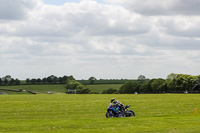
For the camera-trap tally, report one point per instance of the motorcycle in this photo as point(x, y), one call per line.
point(119, 111)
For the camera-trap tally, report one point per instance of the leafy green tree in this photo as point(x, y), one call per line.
point(6, 79)
point(44, 80)
point(49, 80)
point(141, 78)
point(158, 85)
point(71, 77)
point(1, 82)
point(148, 87)
point(52, 79)
point(185, 82)
point(92, 80)
point(144, 88)
point(198, 78)
point(33, 81)
point(85, 91)
point(64, 79)
point(110, 91)
point(28, 81)
point(17, 81)
point(55, 80)
point(75, 85)
point(171, 81)
point(39, 81)
point(129, 88)
point(60, 80)
point(11, 82)
point(180, 82)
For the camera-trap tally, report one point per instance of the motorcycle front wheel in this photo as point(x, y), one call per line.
point(108, 115)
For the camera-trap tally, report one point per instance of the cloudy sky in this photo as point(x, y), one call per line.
point(109, 39)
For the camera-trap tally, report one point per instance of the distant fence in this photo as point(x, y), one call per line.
point(17, 91)
point(31, 92)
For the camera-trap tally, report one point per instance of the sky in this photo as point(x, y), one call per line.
point(106, 39)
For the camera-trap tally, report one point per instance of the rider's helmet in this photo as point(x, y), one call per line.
point(112, 100)
point(117, 102)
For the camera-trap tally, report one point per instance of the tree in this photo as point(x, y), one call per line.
point(180, 82)
point(75, 85)
point(158, 85)
point(39, 81)
point(92, 79)
point(185, 82)
point(12, 81)
point(141, 78)
point(49, 79)
point(55, 80)
point(28, 81)
point(17, 81)
point(145, 87)
point(6, 79)
point(33, 81)
point(110, 91)
point(52, 79)
point(44, 80)
point(170, 81)
point(71, 77)
point(129, 88)
point(1, 81)
point(85, 91)
point(62, 80)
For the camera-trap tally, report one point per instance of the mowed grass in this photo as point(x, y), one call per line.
point(161, 113)
point(59, 88)
point(101, 87)
point(35, 88)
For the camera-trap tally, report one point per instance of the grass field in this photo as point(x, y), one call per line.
point(36, 88)
point(57, 88)
point(101, 87)
point(107, 81)
point(161, 113)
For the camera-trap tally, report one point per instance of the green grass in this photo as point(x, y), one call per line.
point(107, 81)
point(56, 88)
point(99, 88)
point(161, 113)
point(35, 88)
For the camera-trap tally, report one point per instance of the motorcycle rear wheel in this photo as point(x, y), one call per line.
point(130, 113)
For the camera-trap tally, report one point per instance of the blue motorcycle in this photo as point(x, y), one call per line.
point(119, 111)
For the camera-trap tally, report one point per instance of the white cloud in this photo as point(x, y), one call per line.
point(110, 39)
point(183, 26)
point(16, 9)
point(170, 7)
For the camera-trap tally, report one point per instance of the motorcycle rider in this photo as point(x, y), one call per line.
point(117, 109)
point(117, 104)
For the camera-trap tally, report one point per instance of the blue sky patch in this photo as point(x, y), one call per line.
point(61, 2)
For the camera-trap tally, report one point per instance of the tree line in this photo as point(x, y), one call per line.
point(174, 83)
point(49, 80)
point(8, 80)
